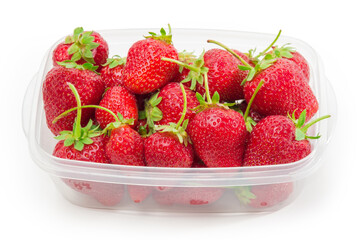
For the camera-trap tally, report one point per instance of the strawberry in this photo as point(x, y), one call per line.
point(108, 194)
point(112, 71)
point(139, 193)
point(217, 132)
point(144, 71)
point(83, 144)
point(263, 196)
point(301, 62)
point(284, 91)
point(224, 76)
point(171, 104)
point(58, 97)
point(118, 100)
point(125, 146)
point(188, 195)
point(170, 147)
point(278, 139)
point(82, 47)
point(163, 149)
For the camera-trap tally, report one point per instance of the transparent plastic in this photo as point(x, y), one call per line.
point(211, 190)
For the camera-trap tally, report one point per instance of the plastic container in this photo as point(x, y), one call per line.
point(213, 190)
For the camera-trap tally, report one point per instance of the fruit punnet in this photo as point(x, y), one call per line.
point(170, 145)
point(58, 97)
point(82, 47)
point(286, 88)
point(144, 70)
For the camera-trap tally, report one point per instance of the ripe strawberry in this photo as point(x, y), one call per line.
point(139, 193)
point(188, 195)
point(170, 148)
point(300, 61)
point(118, 100)
point(112, 72)
point(218, 136)
point(108, 194)
point(144, 70)
point(82, 47)
point(224, 76)
point(217, 132)
point(172, 102)
point(125, 147)
point(278, 139)
point(263, 196)
point(163, 149)
point(284, 91)
point(58, 98)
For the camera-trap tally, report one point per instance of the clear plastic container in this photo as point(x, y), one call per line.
point(212, 190)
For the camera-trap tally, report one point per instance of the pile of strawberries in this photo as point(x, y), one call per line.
point(161, 107)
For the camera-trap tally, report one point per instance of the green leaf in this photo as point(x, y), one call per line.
point(156, 114)
point(200, 98)
point(301, 119)
point(78, 30)
point(76, 56)
point(215, 97)
point(73, 49)
point(244, 68)
point(69, 141)
point(87, 141)
point(142, 115)
point(88, 54)
point(79, 145)
point(300, 135)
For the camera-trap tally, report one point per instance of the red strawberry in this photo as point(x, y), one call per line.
point(283, 92)
point(171, 104)
point(82, 47)
point(139, 193)
point(263, 196)
point(94, 152)
point(278, 140)
point(163, 149)
point(218, 136)
point(108, 194)
point(118, 100)
point(112, 72)
point(144, 70)
point(170, 147)
point(125, 147)
point(197, 163)
point(300, 61)
point(224, 76)
point(58, 98)
point(188, 195)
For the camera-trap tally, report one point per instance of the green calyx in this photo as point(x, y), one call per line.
point(244, 194)
point(163, 36)
point(78, 136)
point(151, 113)
point(82, 44)
point(197, 70)
point(301, 127)
point(85, 66)
point(178, 129)
point(115, 61)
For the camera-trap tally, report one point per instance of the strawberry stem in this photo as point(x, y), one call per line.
point(209, 99)
point(184, 106)
point(305, 128)
point(230, 51)
point(86, 106)
point(77, 130)
point(270, 46)
point(190, 67)
point(252, 98)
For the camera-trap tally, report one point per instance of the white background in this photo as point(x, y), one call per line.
point(329, 206)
